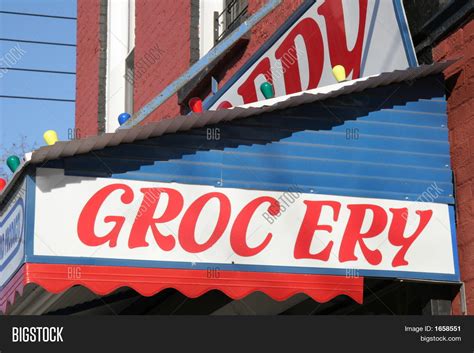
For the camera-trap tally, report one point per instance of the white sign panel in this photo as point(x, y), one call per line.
point(12, 236)
point(366, 37)
point(185, 226)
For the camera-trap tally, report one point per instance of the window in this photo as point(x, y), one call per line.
point(129, 82)
point(119, 71)
point(217, 19)
point(207, 8)
point(129, 61)
point(235, 12)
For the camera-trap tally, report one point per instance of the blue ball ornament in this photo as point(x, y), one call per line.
point(122, 118)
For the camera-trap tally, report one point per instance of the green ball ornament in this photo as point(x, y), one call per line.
point(267, 90)
point(13, 162)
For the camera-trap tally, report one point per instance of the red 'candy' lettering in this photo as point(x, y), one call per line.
point(337, 40)
point(248, 90)
point(308, 29)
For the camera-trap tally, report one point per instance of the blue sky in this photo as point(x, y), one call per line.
point(30, 118)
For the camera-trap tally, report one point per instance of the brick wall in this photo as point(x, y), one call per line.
point(167, 24)
point(163, 24)
point(460, 85)
point(87, 67)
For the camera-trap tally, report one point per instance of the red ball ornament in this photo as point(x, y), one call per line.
point(195, 104)
point(3, 183)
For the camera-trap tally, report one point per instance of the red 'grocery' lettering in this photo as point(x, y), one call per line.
point(362, 222)
point(145, 219)
point(238, 235)
point(85, 225)
point(187, 227)
point(353, 236)
point(397, 228)
point(310, 225)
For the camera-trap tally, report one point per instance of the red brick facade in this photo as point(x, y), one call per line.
point(87, 67)
point(165, 24)
point(460, 86)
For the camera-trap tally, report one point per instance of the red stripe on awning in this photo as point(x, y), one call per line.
point(102, 280)
point(192, 283)
point(15, 285)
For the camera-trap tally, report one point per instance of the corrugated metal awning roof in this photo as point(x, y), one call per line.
point(187, 122)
